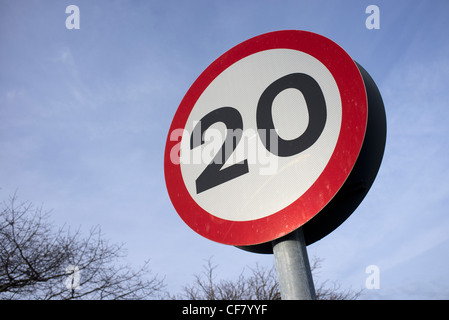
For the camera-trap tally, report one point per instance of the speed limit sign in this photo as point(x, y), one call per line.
point(266, 137)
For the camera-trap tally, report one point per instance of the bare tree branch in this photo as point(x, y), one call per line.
point(260, 284)
point(34, 257)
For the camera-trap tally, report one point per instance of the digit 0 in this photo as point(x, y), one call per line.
point(316, 107)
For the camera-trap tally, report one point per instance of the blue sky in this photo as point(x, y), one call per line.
point(85, 114)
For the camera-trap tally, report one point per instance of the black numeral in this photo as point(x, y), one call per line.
point(214, 175)
point(316, 106)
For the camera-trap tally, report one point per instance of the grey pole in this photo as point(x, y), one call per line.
point(293, 267)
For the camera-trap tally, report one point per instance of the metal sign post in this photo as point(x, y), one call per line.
point(293, 267)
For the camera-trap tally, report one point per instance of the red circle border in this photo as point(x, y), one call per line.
point(349, 143)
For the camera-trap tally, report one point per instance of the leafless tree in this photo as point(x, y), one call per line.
point(38, 261)
point(260, 284)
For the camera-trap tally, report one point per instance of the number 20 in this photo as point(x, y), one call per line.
point(213, 175)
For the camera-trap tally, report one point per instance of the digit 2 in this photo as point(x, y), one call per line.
point(214, 175)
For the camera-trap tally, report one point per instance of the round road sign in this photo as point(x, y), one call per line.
point(265, 138)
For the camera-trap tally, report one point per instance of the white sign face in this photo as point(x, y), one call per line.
point(271, 182)
point(265, 137)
